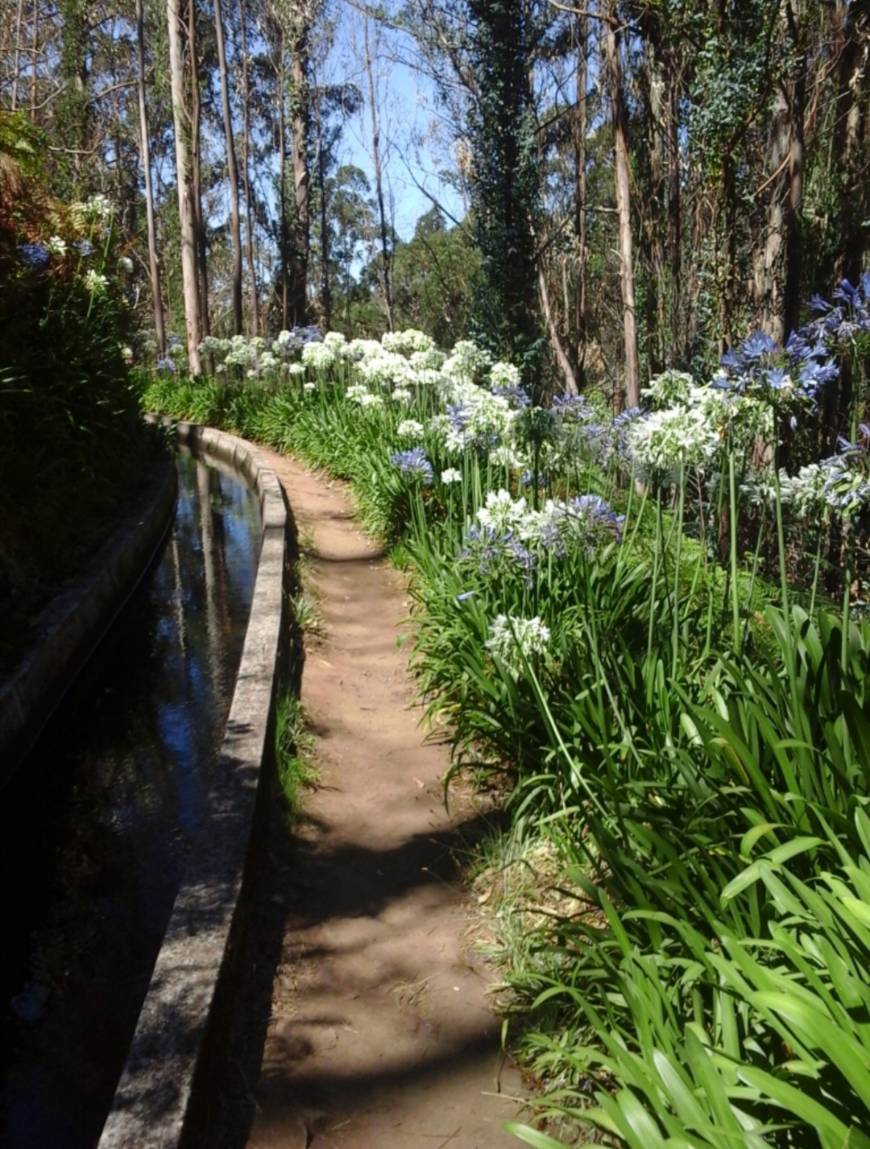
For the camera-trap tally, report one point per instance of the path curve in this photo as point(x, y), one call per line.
point(380, 1034)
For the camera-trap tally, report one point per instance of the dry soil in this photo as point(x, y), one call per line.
point(379, 1031)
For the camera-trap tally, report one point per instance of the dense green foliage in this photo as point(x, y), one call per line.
point(692, 744)
point(72, 445)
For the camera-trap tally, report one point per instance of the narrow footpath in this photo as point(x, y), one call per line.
point(380, 1035)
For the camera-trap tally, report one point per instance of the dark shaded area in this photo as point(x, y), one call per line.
point(96, 828)
point(298, 885)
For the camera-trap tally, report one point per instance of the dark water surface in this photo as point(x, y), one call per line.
point(94, 831)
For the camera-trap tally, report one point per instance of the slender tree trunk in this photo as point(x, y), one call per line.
point(850, 143)
point(563, 360)
point(246, 179)
point(623, 207)
point(778, 257)
point(232, 169)
point(386, 253)
point(284, 230)
point(145, 151)
point(181, 123)
point(581, 319)
point(16, 59)
point(320, 163)
point(34, 57)
point(196, 166)
point(300, 135)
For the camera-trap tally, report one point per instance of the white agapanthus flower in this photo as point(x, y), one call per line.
point(95, 283)
point(409, 429)
point(506, 457)
point(98, 207)
point(678, 436)
point(355, 391)
point(369, 400)
point(502, 513)
point(504, 375)
point(804, 493)
point(296, 369)
point(318, 356)
point(385, 369)
point(466, 361)
point(516, 641)
point(451, 475)
point(668, 389)
point(430, 360)
point(57, 246)
point(402, 395)
point(335, 340)
point(359, 349)
point(309, 387)
point(127, 354)
point(406, 342)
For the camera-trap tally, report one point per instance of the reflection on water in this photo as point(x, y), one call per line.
point(94, 831)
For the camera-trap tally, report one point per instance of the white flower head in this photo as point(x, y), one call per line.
point(451, 475)
point(95, 283)
point(410, 429)
point(516, 641)
point(57, 246)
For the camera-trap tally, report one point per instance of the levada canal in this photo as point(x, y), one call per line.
point(95, 828)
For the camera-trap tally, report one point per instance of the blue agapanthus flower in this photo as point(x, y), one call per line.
point(34, 255)
point(85, 247)
point(515, 394)
point(757, 345)
point(165, 365)
point(414, 465)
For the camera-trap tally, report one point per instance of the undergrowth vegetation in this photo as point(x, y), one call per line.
point(72, 446)
point(619, 623)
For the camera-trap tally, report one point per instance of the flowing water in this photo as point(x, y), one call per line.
point(94, 830)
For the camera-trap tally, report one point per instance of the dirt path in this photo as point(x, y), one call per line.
point(380, 1035)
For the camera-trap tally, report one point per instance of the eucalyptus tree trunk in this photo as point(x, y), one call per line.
point(16, 58)
point(34, 59)
point(184, 179)
point(850, 145)
point(145, 151)
point(386, 253)
point(196, 165)
point(581, 319)
point(560, 354)
point(300, 134)
point(778, 256)
point(623, 205)
point(246, 178)
point(320, 168)
point(232, 169)
point(283, 226)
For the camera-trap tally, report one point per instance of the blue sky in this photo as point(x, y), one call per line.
point(415, 140)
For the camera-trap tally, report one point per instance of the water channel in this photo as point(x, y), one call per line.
point(94, 830)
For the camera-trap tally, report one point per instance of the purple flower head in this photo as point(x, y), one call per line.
point(777, 378)
point(165, 365)
point(731, 360)
point(597, 512)
point(757, 345)
point(515, 394)
point(627, 416)
point(85, 247)
point(458, 415)
point(528, 479)
point(819, 305)
point(523, 557)
point(414, 465)
point(572, 408)
point(34, 255)
point(846, 292)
